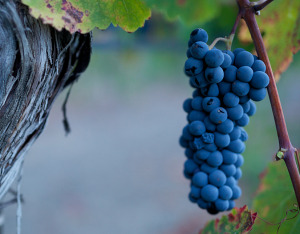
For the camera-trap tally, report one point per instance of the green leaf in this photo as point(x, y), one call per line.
point(280, 24)
point(275, 197)
point(84, 15)
point(240, 220)
point(191, 12)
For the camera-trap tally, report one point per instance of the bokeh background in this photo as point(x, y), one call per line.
point(120, 169)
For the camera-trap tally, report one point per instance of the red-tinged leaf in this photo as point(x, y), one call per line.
point(240, 220)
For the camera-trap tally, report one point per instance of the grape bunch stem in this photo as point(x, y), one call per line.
point(247, 11)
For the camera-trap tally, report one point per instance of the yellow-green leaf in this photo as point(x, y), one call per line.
point(84, 15)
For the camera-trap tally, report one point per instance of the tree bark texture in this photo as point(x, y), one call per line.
point(36, 63)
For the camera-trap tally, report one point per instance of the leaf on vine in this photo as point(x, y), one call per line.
point(274, 200)
point(240, 220)
point(190, 11)
point(280, 24)
point(84, 15)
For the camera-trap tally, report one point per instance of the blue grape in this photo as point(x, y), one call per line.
point(237, 51)
point(197, 144)
point(229, 170)
point(197, 128)
point(198, 161)
point(207, 169)
point(257, 94)
point(222, 140)
point(196, 103)
point(209, 193)
point(210, 103)
point(238, 174)
point(235, 134)
point(252, 108)
point(244, 58)
point(225, 192)
point(211, 90)
point(231, 204)
point(200, 179)
point(186, 133)
point(214, 58)
point(259, 65)
point(196, 115)
point(240, 161)
point(210, 126)
point(187, 107)
point(259, 80)
point(193, 66)
point(217, 178)
point(211, 147)
point(243, 121)
point(240, 88)
point(190, 43)
point(218, 115)
point(199, 34)
point(224, 87)
point(230, 74)
point(215, 159)
point(244, 74)
point(208, 138)
point(199, 80)
point(255, 58)
point(226, 127)
point(214, 74)
point(235, 113)
point(189, 153)
point(236, 146)
point(190, 166)
point(246, 106)
point(195, 192)
point(231, 100)
point(230, 54)
point(236, 192)
point(227, 61)
point(202, 204)
point(221, 205)
point(244, 99)
point(212, 210)
point(202, 154)
point(188, 53)
point(229, 157)
point(244, 135)
point(184, 143)
point(199, 49)
point(196, 93)
point(231, 182)
point(192, 199)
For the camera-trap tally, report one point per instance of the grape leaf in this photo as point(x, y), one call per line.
point(275, 197)
point(240, 220)
point(190, 11)
point(280, 24)
point(84, 15)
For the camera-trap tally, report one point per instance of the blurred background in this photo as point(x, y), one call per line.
point(120, 169)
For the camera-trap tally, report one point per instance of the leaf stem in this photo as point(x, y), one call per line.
point(248, 14)
point(262, 5)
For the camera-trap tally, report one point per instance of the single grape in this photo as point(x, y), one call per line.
point(190, 166)
point(224, 87)
point(229, 170)
point(257, 94)
point(188, 53)
point(210, 103)
point(236, 192)
point(200, 179)
point(214, 74)
point(187, 107)
point(215, 159)
point(197, 144)
point(196, 93)
point(235, 113)
point(240, 161)
point(221, 205)
point(211, 147)
point(212, 209)
point(209, 193)
point(240, 88)
point(199, 80)
point(243, 121)
point(199, 34)
point(208, 138)
point(231, 182)
point(231, 100)
point(197, 128)
point(244, 135)
point(252, 108)
point(214, 58)
point(237, 51)
point(199, 49)
point(226, 127)
point(244, 99)
point(229, 157)
point(192, 199)
point(196, 116)
point(196, 103)
point(225, 192)
point(217, 178)
point(222, 140)
point(186, 133)
point(195, 192)
point(244, 58)
point(210, 126)
point(259, 80)
point(211, 90)
point(189, 153)
point(193, 66)
point(238, 174)
point(244, 74)
point(231, 204)
point(184, 143)
point(246, 106)
point(202, 154)
point(207, 169)
point(259, 65)
point(198, 161)
point(218, 115)
point(235, 134)
point(230, 74)
point(202, 204)
point(227, 61)
point(230, 54)
point(236, 146)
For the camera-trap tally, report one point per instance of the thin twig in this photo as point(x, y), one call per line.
point(297, 158)
point(262, 5)
point(236, 23)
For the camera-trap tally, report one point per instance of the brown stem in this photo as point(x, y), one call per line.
point(236, 23)
point(261, 6)
point(248, 14)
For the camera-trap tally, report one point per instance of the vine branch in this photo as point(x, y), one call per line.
point(247, 11)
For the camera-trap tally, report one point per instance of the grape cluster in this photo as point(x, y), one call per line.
point(226, 84)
